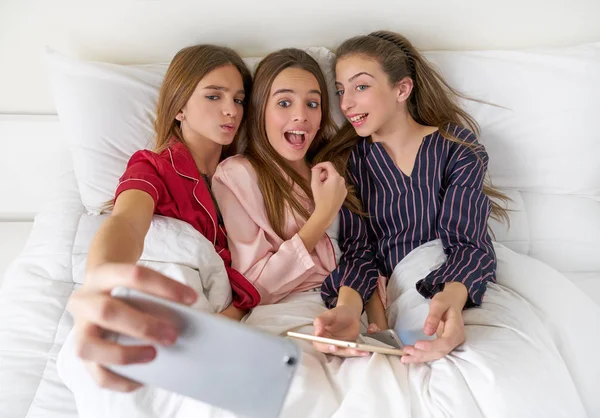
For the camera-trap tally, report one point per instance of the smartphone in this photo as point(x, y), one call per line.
point(374, 346)
point(214, 360)
point(387, 336)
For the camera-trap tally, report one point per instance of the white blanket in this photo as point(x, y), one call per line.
point(523, 355)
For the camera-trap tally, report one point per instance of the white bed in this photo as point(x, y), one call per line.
point(14, 236)
point(544, 153)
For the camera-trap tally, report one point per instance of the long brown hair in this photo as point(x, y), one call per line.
point(187, 68)
point(273, 171)
point(185, 71)
point(433, 102)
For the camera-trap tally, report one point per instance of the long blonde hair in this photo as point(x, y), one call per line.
point(273, 171)
point(433, 102)
point(185, 71)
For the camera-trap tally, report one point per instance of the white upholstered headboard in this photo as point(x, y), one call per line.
point(135, 31)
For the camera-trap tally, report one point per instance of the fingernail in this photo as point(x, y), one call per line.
point(332, 348)
point(419, 345)
point(189, 298)
point(168, 336)
point(148, 354)
point(429, 330)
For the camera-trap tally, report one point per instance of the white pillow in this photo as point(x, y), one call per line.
point(544, 146)
point(546, 139)
point(107, 112)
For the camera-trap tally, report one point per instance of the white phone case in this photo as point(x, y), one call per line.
point(215, 360)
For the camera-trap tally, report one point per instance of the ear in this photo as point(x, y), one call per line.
point(403, 89)
point(180, 116)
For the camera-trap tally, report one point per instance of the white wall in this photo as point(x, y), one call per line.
point(33, 155)
point(129, 31)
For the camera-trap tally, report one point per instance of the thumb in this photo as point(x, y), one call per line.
point(315, 178)
point(436, 312)
point(323, 176)
point(323, 320)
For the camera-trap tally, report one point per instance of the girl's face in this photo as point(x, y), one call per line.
point(293, 113)
point(215, 109)
point(367, 99)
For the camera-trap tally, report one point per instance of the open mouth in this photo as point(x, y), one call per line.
point(295, 138)
point(359, 119)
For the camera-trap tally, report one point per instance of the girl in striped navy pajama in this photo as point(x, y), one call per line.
point(413, 156)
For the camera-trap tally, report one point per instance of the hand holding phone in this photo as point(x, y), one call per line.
point(214, 360)
point(383, 342)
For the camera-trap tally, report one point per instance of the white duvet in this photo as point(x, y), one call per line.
point(524, 355)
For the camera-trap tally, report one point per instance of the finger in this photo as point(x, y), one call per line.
point(93, 348)
point(339, 351)
point(321, 347)
point(326, 319)
point(315, 178)
point(347, 352)
point(327, 167)
point(111, 275)
point(413, 355)
point(451, 336)
point(440, 329)
point(436, 311)
point(373, 328)
point(441, 345)
point(323, 176)
point(318, 327)
point(454, 328)
point(109, 380)
point(117, 316)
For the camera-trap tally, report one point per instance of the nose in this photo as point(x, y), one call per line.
point(346, 102)
point(300, 114)
point(230, 110)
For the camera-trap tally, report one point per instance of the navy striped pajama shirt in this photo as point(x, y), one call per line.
point(441, 199)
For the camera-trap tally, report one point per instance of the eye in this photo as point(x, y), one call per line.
point(339, 92)
point(284, 103)
point(239, 101)
point(362, 87)
point(313, 104)
point(212, 97)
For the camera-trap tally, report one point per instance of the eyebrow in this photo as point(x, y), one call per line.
point(281, 91)
point(355, 76)
point(221, 88)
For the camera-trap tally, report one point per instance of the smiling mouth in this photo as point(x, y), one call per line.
point(296, 138)
point(358, 118)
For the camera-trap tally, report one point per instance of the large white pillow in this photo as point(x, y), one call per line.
point(543, 143)
point(107, 111)
point(545, 138)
